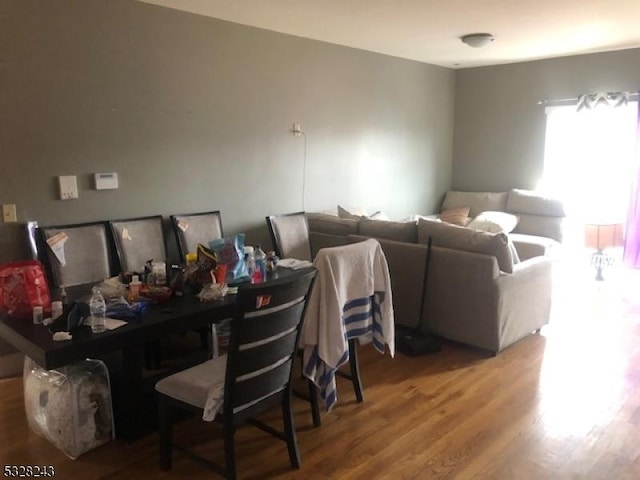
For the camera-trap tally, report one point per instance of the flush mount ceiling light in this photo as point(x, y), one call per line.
point(477, 40)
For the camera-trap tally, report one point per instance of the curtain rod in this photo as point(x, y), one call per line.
point(569, 101)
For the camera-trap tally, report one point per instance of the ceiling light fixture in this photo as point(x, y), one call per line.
point(477, 40)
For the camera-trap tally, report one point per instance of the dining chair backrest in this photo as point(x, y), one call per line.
point(290, 235)
point(263, 342)
point(137, 241)
point(76, 254)
point(194, 228)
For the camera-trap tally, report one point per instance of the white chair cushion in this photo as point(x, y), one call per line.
point(194, 385)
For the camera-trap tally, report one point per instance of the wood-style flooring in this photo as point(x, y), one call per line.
point(563, 404)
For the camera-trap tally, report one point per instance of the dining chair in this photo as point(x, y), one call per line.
point(290, 235)
point(137, 241)
point(194, 228)
point(254, 376)
point(351, 299)
point(76, 254)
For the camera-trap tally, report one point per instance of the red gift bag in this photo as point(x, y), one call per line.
point(23, 285)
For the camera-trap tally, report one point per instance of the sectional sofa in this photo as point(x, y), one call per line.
point(483, 289)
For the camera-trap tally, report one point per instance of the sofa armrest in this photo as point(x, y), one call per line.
point(524, 299)
point(462, 300)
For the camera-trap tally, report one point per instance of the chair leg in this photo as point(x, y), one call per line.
point(315, 405)
point(290, 432)
point(165, 427)
point(355, 371)
point(229, 451)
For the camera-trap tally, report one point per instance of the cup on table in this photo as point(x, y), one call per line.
point(56, 309)
point(38, 314)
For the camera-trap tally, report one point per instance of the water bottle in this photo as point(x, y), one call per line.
point(98, 309)
point(260, 273)
point(249, 260)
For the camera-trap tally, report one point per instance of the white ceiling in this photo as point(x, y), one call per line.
point(429, 30)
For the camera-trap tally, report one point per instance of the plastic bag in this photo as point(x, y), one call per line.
point(200, 272)
point(23, 285)
point(70, 406)
point(230, 252)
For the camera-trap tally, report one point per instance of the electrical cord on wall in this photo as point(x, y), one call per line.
point(304, 169)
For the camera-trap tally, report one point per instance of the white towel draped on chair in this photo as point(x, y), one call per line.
point(351, 298)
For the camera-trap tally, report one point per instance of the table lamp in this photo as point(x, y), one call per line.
point(601, 236)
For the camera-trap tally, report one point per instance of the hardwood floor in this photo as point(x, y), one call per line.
point(564, 404)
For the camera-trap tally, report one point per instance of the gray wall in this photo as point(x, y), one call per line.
point(500, 129)
point(195, 114)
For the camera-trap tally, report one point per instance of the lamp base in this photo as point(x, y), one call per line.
point(600, 261)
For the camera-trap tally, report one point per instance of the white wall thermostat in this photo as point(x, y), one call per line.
point(106, 181)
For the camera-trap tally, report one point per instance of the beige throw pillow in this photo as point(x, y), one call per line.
point(455, 216)
point(460, 238)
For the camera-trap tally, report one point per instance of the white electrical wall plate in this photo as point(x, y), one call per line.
point(106, 181)
point(68, 187)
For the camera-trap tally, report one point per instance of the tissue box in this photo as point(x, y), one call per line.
point(70, 406)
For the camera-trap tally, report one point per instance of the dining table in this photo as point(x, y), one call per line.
point(122, 349)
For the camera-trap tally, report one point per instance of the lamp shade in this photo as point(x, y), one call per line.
point(603, 235)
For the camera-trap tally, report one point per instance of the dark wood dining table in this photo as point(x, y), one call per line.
point(122, 349)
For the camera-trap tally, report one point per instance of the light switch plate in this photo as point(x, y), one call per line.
point(68, 187)
point(9, 213)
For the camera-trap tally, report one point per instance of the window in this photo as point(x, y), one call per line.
point(589, 158)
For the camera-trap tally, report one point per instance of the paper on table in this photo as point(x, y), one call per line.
point(293, 263)
point(113, 323)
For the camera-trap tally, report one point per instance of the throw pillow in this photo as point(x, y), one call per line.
point(494, 222)
point(351, 213)
point(456, 216)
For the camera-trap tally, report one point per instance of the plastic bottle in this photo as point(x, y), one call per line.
point(260, 258)
point(98, 309)
point(250, 260)
point(63, 296)
point(134, 288)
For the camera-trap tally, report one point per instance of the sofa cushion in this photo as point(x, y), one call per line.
point(323, 223)
point(541, 225)
point(534, 203)
point(494, 222)
point(462, 238)
point(530, 246)
point(478, 202)
point(456, 216)
point(398, 231)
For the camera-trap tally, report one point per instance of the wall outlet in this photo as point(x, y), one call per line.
point(68, 187)
point(9, 213)
point(297, 129)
